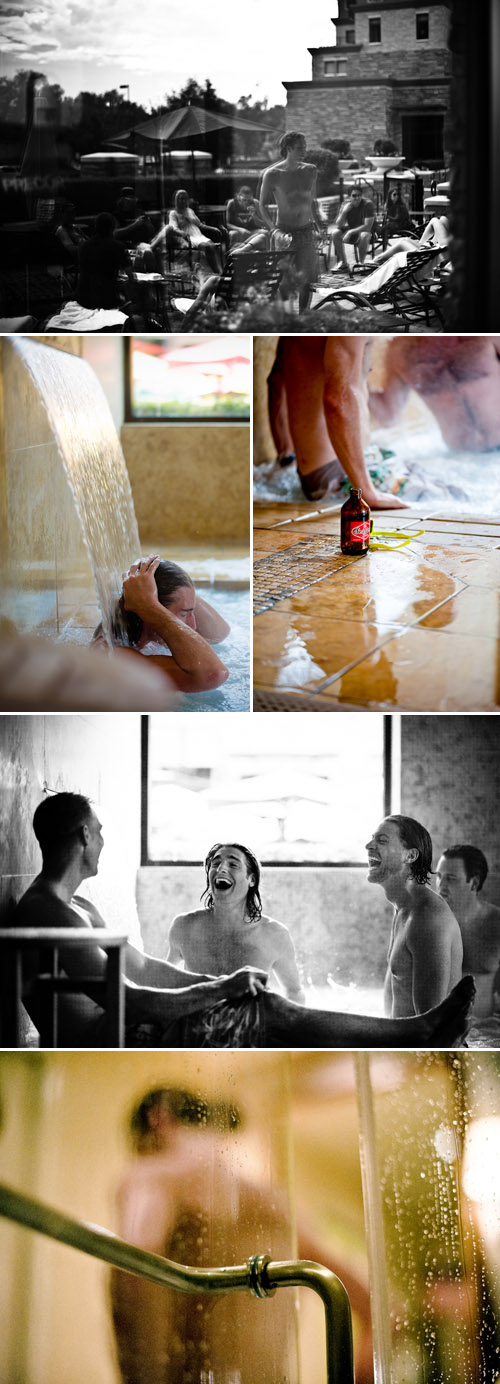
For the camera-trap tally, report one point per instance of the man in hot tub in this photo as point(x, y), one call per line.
point(458, 378)
point(159, 614)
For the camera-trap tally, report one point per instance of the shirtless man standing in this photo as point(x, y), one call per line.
point(292, 185)
point(461, 873)
point(231, 931)
point(458, 378)
point(425, 950)
point(318, 410)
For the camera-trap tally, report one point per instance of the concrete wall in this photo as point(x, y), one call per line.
point(450, 781)
point(189, 481)
point(95, 755)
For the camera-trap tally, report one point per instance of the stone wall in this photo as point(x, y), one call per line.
point(398, 29)
point(379, 66)
point(190, 482)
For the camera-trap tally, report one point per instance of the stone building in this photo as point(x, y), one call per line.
point(387, 77)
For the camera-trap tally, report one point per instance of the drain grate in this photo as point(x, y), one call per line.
point(283, 574)
point(289, 701)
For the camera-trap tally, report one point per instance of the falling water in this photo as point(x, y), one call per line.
point(88, 445)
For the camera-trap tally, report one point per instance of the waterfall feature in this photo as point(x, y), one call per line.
point(80, 420)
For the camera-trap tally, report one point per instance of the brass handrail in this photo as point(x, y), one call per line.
point(260, 1275)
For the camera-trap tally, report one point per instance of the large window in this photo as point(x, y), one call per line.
point(193, 378)
point(374, 30)
point(306, 789)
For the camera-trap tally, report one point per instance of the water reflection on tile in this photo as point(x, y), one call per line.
point(474, 610)
point(295, 650)
point(273, 540)
point(387, 587)
point(425, 670)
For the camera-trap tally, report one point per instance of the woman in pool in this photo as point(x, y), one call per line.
point(159, 614)
point(236, 927)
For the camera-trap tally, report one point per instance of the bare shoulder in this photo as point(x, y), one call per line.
point(428, 909)
point(186, 920)
point(39, 908)
point(274, 929)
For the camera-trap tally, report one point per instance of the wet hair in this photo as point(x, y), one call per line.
point(56, 821)
point(105, 223)
point(475, 863)
point(288, 141)
point(254, 901)
point(126, 626)
point(187, 1107)
point(415, 837)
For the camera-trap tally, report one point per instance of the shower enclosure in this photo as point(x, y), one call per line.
point(429, 1129)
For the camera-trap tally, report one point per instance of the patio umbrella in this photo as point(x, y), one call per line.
point(188, 123)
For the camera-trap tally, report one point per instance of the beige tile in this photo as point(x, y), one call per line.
point(385, 587)
point(266, 516)
point(475, 567)
point(474, 610)
point(273, 540)
point(301, 651)
point(425, 670)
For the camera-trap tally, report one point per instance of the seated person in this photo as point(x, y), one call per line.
point(244, 221)
point(354, 227)
point(101, 259)
point(185, 238)
point(396, 219)
point(159, 614)
point(134, 225)
point(434, 235)
point(239, 933)
point(387, 264)
point(69, 237)
point(161, 996)
point(156, 994)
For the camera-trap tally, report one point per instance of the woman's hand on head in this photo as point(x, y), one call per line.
point(140, 592)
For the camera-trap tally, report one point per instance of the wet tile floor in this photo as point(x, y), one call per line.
point(416, 629)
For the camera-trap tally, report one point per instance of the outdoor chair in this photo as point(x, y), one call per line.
point(259, 271)
point(411, 291)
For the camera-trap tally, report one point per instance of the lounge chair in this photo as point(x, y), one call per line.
point(410, 291)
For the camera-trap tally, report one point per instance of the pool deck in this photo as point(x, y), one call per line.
point(413, 630)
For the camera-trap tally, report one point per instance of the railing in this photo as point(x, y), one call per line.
point(260, 1276)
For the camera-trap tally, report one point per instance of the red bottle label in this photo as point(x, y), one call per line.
point(359, 531)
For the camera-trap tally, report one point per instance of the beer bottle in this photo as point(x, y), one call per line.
point(355, 525)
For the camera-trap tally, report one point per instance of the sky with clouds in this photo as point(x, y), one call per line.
point(249, 47)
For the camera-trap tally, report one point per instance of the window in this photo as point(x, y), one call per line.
point(204, 378)
point(422, 25)
point(316, 803)
point(350, 36)
point(374, 30)
point(335, 67)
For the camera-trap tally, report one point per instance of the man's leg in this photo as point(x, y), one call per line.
point(278, 410)
point(303, 373)
point(290, 1025)
point(307, 264)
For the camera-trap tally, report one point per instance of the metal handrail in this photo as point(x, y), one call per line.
point(260, 1275)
